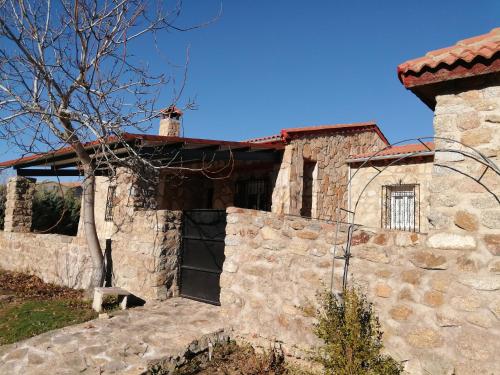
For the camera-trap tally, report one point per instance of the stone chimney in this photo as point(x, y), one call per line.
point(170, 124)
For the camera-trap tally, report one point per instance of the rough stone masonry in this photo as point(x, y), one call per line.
point(439, 308)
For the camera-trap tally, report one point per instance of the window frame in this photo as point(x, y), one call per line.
point(409, 212)
point(241, 198)
point(110, 197)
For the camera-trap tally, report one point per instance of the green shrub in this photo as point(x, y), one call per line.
point(352, 337)
point(53, 213)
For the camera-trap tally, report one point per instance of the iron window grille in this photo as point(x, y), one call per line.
point(401, 207)
point(253, 194)
point(108, 215)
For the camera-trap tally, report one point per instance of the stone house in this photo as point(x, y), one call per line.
point(299, 172)
point(390, 188)
point(262, 240)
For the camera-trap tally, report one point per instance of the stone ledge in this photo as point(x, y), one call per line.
point(451, 241)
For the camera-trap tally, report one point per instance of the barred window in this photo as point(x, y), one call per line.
point(108, 215)
point(401, 207)
point(253, 194)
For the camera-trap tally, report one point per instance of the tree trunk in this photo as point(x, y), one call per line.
point(88, 191)
point(96, 254)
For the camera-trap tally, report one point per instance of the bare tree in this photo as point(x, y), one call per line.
point(68, 76)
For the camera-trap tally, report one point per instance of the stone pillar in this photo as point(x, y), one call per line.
point(462, 209)
point(281, 196)
point(18, 208)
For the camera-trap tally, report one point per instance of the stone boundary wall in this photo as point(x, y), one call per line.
point(144, 255)
point(58, 259)
point(274, 266)
point(439, 308)
point(145, 252)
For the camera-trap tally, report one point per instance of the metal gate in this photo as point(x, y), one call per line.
point(202, 255)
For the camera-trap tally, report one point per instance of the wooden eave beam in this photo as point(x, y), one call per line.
point(35, 172)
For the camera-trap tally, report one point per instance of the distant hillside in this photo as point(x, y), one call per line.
point(74, 188)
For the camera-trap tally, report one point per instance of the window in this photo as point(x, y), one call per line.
point(108, 214)
point(308, 176)
point(253, 194)
point(401, 207)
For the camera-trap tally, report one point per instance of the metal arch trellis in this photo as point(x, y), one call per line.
point(471, 153)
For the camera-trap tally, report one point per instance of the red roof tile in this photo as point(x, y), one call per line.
point(275, 141)
point(289, 133)
point(127, 137)
point(269, 138)
point(472, 56)
point(416, 148)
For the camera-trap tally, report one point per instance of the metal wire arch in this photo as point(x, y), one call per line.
point(480, 158)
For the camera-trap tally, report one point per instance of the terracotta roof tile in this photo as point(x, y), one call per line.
point(371, 125)
point(396, 151)
point(125, 137)
point(274, 141)
point(486, 46)
point(270, 138)
point(288, 133)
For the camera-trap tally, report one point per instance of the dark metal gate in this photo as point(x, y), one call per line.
point(202, 256)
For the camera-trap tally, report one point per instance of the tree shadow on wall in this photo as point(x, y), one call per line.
point(133, 300)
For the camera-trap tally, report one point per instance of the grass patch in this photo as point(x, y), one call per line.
point(34, 307)
point(22, 320)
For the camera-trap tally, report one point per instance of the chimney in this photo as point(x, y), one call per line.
point(170, 124)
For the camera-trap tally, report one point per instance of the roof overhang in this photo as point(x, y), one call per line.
point(427, 85)
point(159, 150)
point(405, 156)
point(469, 64)
point(401, 151)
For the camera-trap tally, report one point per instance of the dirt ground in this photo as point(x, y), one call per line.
point(23, 286)
point(232, 359)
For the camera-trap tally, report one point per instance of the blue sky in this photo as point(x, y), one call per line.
point(267, 65)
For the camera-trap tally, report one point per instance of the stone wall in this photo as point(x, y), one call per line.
point(141, 245)
point(274, 266)
point(18, 208)
point(144, 256)
point(368, 206)
point(460, 205)
point(330, 152)
point(58, 259)
point(439, 308)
